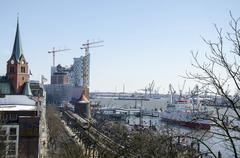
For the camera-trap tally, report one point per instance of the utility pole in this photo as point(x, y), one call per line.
point(86, 64)
point(53, 51)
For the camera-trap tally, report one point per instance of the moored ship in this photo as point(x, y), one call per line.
point(185, 112)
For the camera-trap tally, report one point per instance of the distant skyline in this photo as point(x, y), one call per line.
point(143, 40)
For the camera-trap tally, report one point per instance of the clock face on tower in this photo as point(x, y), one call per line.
point(22, 62)
point(12, 61)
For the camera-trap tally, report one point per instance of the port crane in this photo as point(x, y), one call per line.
point(172, 92)
point(144, 90)
point(181, 90)
point(151, 87)
point(86, 62)
point(53, 51)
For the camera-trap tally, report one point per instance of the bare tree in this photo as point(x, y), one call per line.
point(60, 144)
point(146, 143)
point(220, 75)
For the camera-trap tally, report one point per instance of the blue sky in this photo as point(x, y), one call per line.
point(144, 40)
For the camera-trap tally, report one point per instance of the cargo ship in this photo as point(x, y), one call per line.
point(184, 112)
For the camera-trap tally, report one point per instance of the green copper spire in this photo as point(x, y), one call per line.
point(27, 90)
point(17, 52)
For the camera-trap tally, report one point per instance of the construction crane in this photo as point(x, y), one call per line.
point(86, 62)
point(88, 45)
point(53, 51)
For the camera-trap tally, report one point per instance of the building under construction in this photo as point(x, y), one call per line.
point(69, 83)
point(66, 82)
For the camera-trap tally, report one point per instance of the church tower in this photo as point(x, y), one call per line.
point(17, 66)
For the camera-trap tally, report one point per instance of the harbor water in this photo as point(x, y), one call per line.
point(215, 142)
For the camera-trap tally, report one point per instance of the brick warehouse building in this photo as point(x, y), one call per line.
point(19, 107)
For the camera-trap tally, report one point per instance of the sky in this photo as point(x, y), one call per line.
point(144, 40)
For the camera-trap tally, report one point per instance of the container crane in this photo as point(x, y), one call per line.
point(53, 51)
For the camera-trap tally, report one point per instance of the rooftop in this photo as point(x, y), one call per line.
point(16, 100)
point(18, 108)
point(17, 103)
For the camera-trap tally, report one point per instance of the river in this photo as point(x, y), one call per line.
point(214, 141)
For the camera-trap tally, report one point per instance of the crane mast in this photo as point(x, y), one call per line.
point(86, 64)
point(53, 51)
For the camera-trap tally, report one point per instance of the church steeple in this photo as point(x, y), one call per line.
point(17, 66)
point(17, 52)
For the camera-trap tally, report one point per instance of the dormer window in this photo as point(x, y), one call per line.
point(22, 69)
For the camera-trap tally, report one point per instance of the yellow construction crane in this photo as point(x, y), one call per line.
point(53, 51)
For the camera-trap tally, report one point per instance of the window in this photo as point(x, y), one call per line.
point(13, 131)
point(13, 117)
point(22, 69)
point(12, 69)
point(2, 117)
point(2, 131)
point(3, 134)
point(12, 149)
point(12, 138)
point(3, 138)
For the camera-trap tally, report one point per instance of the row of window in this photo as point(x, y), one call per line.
point(12, 131)
point(12, 78)
point(8, 117)
point(12, 70)
point(4, 138)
